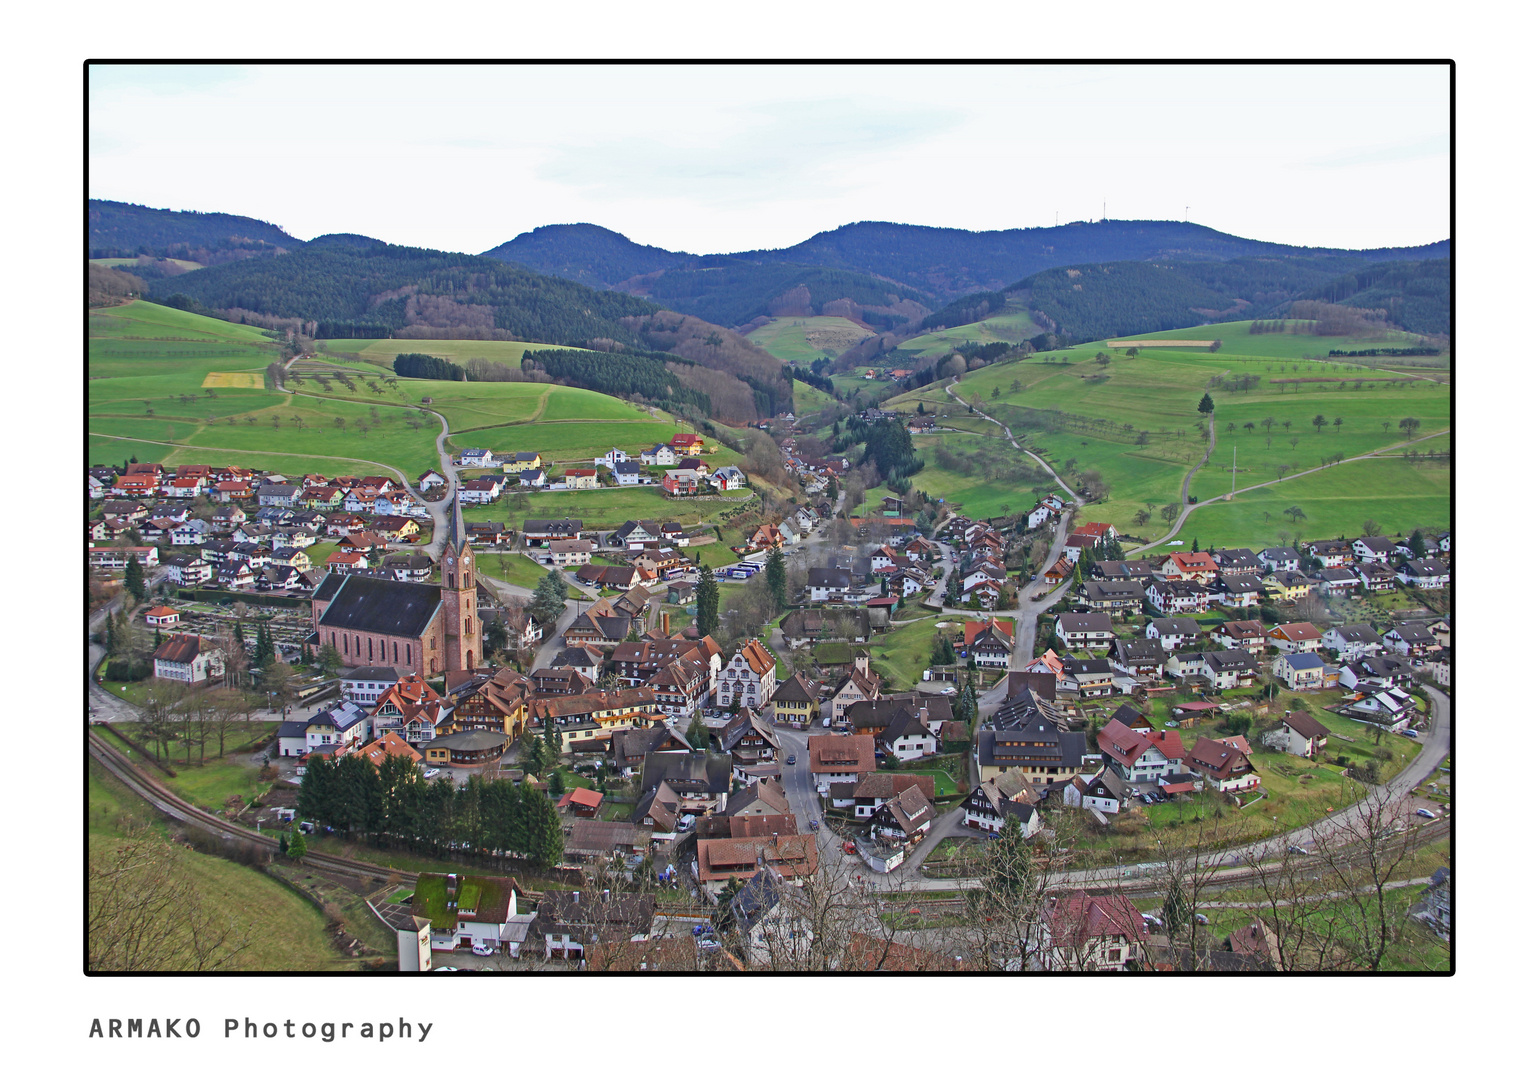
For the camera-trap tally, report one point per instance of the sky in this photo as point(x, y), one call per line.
point(720, 158)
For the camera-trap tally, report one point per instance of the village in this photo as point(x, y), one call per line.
point(733, 767)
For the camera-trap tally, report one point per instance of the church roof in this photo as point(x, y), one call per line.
point(380, 606)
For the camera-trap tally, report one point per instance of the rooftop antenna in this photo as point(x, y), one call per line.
point(1185, 214)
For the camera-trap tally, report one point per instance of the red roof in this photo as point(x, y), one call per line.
point(1093, 528)
point(581, 797)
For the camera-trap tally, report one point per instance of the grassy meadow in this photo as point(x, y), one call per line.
point(382, 351)
point(807, 338)
point(1067, 407)
point(1012, 328)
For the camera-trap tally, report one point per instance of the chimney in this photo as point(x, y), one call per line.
point(665, 624)
point(575, 896)
point(607, 896)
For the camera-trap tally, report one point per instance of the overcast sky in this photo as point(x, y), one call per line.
point(728, 158)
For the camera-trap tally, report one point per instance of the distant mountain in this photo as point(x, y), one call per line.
point(1415, 296)
point(948, 263)
point(587, 254)
point(125, 230)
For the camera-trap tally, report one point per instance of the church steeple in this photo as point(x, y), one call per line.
point(458, 595)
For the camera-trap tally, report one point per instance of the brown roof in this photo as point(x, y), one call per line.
point(866, 953)
point(886, 785)
point(389, 745)
point(722, 859)
point(842, 753)
point(1216, 758)
point(1307, 725)
point(1297, 631)
point(179, 649)
point(1079, 917)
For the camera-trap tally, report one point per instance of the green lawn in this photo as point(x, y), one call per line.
point(384, 350)
point(1013, 327)
point(902, 653)
point(513, 568)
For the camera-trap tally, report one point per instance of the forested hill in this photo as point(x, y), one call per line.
point(1091, 302)
point(389, 291)
point(948, 263)
point(587, 254)
point(125, 230)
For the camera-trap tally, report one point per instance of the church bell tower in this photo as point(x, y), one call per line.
point(458, 596)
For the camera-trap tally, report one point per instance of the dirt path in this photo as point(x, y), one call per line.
point(950, 389)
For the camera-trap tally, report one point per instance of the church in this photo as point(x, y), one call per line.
point(414, 627)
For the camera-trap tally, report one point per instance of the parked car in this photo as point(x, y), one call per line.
point(480, 949)
point(791, 760)
point(430, 774)
point(816, 825)
point(848, 847)
point(1202, 920)
point(948, 690)
point(1422, 811)
point(1151, 920)
point(1410, 734)
point(1296, 849)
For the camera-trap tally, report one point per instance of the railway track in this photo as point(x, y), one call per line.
point(173, 806)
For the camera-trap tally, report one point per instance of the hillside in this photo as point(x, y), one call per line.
point(587, 254)
point(125, 230)
point(390, 291)
point(734, 292)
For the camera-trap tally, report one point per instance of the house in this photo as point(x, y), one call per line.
point(475, 458)
point(1192, 566)
point(627, 473)
point(826, 584)
point(989, 643)
point(1436, 907)
point(1143, 659)
point(795, 701)
point(1237, 590)
point(1389, 709)
point(161, 616)
point(729, 478)
point(1331, 554)
point(540, 532)
point(1104, 792)
point(411, 709)
point(1279, 558)
point(1297, 733)
point(748, 679)
point(524, 460)
point(904, 818)
point(1178, 596)
point(568, 924)
point(1373, 549)
point(1424, 573)
point(615, 456)
point(189, 659)
point(1301, 671)
point(659, 455)
point(1027, 735)
point(1411, 639)
point(1378, 672)
point(580, 479)
point(1175, 632)
point(186, 570)
point(1287, 586)
point(1376, 576)
point(1240, 634)
point(338, 729)
point(366, 685)
point(1125, 597)
point(859, 684)
point(1140, 755)
point(1225, 764)
point(906, 736)
point(1295, 637)
point(1082, 932)
point(1085, 630)
point(564, 553)
point(772, 922)
point(1336, 581)
point(719, 861)
point(430, 479)
point(1221, 670)
point(1352, 641)
point(837, 759)
point(1008, 797)
point(807, 626)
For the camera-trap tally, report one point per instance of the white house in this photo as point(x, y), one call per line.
point(1424, 573)
point(660, 455)
point(1351, 641)
point(627, 473)
point(475, 458)
point(748, 679)
point(466, 910)
point(189, 659)
point(614, 457)
point(1104, 792)
point(1300, 671)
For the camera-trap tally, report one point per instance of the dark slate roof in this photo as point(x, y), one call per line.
point(380, 606)
point(329, 586)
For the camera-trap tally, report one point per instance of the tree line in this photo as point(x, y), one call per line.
point(392, 803)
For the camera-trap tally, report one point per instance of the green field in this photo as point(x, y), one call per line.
point(1095, 414)
point(383, 350)
point(516, 569)
point(601, 508)
point(184, 264)
point(903, 652)
point(807, 338)
point(1014, 327)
